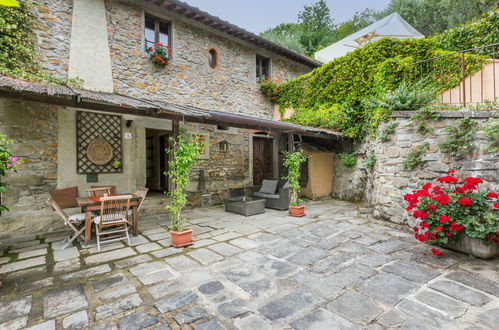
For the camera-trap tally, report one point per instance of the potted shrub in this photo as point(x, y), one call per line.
point(186, 150)
point(292, 161)
point(456, 215)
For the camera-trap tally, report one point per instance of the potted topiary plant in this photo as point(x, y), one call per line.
point(186, 150)
point(456, 215)
point(292, 161)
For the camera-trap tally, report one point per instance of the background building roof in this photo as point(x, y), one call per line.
point(392, 25)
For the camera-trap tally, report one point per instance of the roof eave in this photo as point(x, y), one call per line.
point(194, 13)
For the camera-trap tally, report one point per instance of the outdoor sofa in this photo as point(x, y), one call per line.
point(275, 193)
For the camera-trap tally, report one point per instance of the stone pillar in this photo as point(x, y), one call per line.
point(89, 54)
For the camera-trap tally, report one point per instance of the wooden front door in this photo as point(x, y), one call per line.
point(156, 160)
point(262, 159)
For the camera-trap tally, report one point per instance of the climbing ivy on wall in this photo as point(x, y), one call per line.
point(459, 140)
point(339, 94)
point(18, 47)
point(475, 34)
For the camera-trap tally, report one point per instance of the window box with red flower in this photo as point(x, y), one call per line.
point(270, 89)
point(456, 214)
point(160, 54)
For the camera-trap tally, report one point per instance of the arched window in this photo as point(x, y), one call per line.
point(213, 58)
point(223, 145)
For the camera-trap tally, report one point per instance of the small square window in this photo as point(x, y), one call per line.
point(262, 67)
point(156, 30)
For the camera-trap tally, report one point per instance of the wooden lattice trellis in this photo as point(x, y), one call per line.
point(90, 126)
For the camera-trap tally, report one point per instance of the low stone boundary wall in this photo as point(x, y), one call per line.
point(383, 187)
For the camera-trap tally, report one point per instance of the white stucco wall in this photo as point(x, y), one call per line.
point(89, 56)
point(134, 161)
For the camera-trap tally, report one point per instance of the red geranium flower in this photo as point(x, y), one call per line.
point(431, 207)
point(469, 186)
point(473, 180)
point(444, 218)
point(410, 207)
point(421, 238)
point(439, 228)
point(420, 214)
point(464, 201)
point(436, 252)
point(496, 205)
point(492, 195)
point(423, 225)
point(427, 186)
point(442, 199)
point(456, 227)
point(448, 179)
point(451, 171)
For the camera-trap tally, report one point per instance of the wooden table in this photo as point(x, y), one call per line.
point(88, 205)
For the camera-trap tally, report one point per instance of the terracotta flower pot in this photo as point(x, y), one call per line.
point(474, 247)
point(181, 238)
point(297, 211)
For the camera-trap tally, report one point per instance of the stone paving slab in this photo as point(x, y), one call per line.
point(15, 308)
point(62, 301)
point(335, 268)
point(23, 264)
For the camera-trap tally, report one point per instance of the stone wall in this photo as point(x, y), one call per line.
point(383, 187)
point(53, 32)
point(188, 79)
point(33, 127)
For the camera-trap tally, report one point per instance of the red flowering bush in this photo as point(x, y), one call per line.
point(160, 54)
point(443, 212)
point(270, 88)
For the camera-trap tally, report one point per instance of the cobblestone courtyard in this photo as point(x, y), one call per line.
point(333, 269)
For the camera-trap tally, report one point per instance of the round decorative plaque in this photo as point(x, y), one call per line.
point(99, 151)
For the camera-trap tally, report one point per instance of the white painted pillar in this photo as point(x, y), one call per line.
point(89, 54)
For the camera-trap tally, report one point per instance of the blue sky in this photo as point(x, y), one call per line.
point(259, 15)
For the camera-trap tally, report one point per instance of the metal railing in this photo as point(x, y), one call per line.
point(467, 77)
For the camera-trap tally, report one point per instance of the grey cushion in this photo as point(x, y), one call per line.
point(264, 195)
point(269, 186)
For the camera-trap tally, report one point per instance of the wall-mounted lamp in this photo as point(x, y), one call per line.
point(78, 98)
point(129, 123)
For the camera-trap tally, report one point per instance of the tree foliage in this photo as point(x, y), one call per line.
point(316, 29)
point(435, 16)
point(287, 35)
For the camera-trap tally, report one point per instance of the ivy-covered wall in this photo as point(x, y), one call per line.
point(339, 95)
point(382, 187)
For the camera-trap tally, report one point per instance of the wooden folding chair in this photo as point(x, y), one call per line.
point(101, 191)
point(76, 222)
point(142, 192)
point(113, 215)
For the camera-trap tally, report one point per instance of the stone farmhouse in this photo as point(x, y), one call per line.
point(131, 106)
